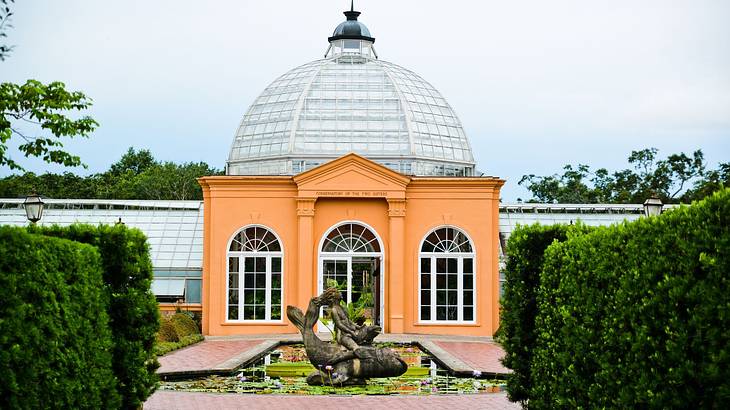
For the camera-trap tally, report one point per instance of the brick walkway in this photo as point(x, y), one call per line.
point(168, 400)
point(476, 355)
point(204, 355)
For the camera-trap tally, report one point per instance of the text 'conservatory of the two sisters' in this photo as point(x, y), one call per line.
point(353, 172)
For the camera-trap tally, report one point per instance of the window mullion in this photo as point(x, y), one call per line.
point(349, 280)
point(267, 297)
point(433, 288)
point(460, 290)
point(241, 273)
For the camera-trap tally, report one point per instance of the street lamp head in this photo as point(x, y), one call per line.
point(33, 207)
point(653, 206)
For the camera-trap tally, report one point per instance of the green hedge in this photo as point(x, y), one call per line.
point(133, 312)
point(55, 342)
point(638, 314)
point(525, 251)
point(184, 324)
point(177, 331)
point(163, 348)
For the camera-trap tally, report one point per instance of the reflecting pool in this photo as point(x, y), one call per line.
point(284, 371)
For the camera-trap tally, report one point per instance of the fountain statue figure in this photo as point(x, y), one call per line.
point(352, 359)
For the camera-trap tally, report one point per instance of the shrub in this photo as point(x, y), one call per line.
point(133, 312)
point(55, 340)
point(525, 251)
point(637, 314)
point(167, 332)
point(184, 325)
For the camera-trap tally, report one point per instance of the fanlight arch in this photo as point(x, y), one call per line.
point(447, 240)
point(255, 239)
point(351, 237)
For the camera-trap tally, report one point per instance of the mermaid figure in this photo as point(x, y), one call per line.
point(353, 359)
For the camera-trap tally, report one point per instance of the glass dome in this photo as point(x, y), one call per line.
point(350, 101)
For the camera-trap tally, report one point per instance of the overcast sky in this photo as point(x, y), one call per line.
point(536, 84)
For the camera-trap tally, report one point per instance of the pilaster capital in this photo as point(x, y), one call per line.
point(305, 206)
point(396, 207)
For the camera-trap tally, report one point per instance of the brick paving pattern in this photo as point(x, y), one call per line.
point(169, 400)
point(203, 355)
point(477, 355)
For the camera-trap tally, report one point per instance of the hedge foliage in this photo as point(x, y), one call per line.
point(132, 309)
point(167, 332)
point(177, 331)
point(525, 251)
point(637, 314)
point(55, 341)
point(176, 326)
point(184, 324)
point(163, 348)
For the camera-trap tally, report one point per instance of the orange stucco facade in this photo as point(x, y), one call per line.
point(400, 209)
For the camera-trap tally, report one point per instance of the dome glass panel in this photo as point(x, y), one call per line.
point(350, 102)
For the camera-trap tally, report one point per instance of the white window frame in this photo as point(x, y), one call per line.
point(348, 256)
point(241, 255)
point(460, 256)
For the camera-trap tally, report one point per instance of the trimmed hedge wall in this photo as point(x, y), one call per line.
point(55, 342)
point(133, 311)
point(525, 250)
point(637, 314)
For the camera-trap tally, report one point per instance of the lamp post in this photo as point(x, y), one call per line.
point(653, 206)
point(33, 207)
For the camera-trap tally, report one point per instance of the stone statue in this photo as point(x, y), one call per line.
point(349, 334)
point(353, 359)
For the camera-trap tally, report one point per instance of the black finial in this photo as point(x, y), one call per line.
point(352, 14)
point(350, 29)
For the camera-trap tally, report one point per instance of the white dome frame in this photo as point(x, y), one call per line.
point(350, 103)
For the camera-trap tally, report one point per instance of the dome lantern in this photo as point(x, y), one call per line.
point(351, 37)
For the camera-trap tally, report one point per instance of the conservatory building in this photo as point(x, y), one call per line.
point(353, 172)
point(350, 172)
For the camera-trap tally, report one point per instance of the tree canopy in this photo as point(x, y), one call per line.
point(676, 178)
point(44, 108)
point(137, 175)
point(41, 115)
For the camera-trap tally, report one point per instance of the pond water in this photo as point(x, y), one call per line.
point(284, 371)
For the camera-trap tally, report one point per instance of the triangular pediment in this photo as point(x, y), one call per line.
point(351, 175)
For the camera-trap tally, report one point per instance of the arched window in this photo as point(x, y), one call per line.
point(254, 275)
point(351, 238)
point(350, 256)
point(447, 277)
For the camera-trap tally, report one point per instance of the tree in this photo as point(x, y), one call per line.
point(133, 161)
point(713, 181)
point(66, 185)
point(137, 175)
point(667, 178)
point(172, 181)
point(44, 108)
point(5, 15)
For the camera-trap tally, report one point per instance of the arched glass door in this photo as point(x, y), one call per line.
point(351, 259)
